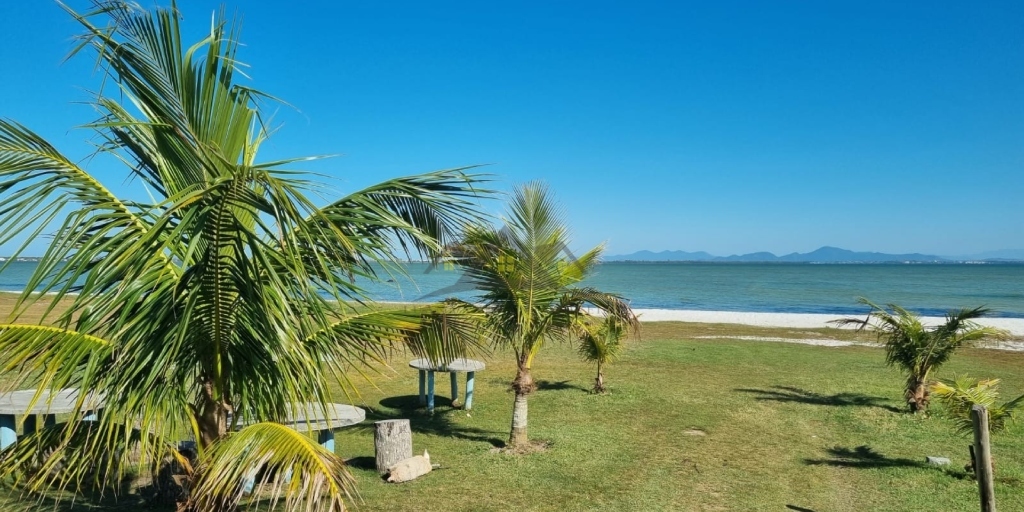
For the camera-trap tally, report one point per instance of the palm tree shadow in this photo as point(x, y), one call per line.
point(440, 423)
point(547, 385)
point(365, 462)
point(794, 394)
point(863, 457)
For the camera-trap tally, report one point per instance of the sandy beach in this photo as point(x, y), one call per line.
point(796, 320)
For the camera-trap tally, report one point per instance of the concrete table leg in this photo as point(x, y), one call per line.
point(326, 439)
point(430, 391)
point(455, 387)
point(469, 390)
point(423, 387)
point(8, 431)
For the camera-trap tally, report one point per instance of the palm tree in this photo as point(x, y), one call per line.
point(918, 349)
point(601, 343)
point(528, 287)
point(225, 295)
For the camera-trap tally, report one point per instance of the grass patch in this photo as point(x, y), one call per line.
point(692, 423)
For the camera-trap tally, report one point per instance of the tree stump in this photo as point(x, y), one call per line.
point(392, 442)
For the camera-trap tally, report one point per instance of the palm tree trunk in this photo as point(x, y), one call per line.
point(917, 396)
point(599, 381)
point(523, 386)
point(212, 417)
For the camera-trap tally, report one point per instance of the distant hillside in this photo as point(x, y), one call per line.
point(822, 255)
point(663, 256)
point(1003, 255)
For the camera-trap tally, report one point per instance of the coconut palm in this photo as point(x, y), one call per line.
point(601, 343)
point(224, 295)
point(918, 349)
point(528, 284)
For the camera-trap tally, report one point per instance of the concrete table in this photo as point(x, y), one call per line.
point(309, 417)
point(427, 369)
point(48, 404)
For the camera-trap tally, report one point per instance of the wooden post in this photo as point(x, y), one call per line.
point(392, 442)
point(983, 464)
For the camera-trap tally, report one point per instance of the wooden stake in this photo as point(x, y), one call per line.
point(983, 464)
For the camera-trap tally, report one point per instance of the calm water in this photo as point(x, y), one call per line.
point(833, 289)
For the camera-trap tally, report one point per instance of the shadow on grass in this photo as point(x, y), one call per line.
point(440, 423)
point(367, 463)
point(793, 394)
point(29, 503)
point(547, 385)
point(798, 509)
point(862, 457)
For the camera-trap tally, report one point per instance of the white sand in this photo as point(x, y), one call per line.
point(797, 320)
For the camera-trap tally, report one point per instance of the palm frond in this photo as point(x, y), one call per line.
point(308, 477)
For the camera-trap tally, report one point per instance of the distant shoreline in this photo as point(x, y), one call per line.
point(35, 259)
point(793, 320)
point(706, 262)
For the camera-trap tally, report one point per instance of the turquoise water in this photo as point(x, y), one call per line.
point(789, 288)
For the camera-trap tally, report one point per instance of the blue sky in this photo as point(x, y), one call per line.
point(728, 127)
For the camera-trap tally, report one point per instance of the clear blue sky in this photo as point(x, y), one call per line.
point(729, 127)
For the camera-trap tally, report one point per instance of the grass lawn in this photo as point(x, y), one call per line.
point(692, 424)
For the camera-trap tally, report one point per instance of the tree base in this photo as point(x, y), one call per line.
point(524, 448)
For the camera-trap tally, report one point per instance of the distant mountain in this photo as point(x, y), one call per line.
point(663, 256)
point(1003, 255)
point(822, 255)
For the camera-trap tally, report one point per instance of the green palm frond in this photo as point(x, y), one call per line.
point(286, 465)
point(601, 341)
point(961, 393)
point(526, 274)
point(224, 293)
point(918, 349)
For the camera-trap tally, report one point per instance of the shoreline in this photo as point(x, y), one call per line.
point(1015, 326)
point(795, 320)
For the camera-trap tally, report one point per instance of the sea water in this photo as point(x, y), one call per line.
point(929, 289)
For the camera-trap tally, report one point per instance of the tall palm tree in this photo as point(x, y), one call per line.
point(918, 349)
point(601, 342)
point(528, 287)
point(224, 296)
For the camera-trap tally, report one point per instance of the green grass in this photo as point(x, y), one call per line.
point(811, 427)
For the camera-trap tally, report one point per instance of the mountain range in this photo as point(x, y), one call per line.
point(823, 255)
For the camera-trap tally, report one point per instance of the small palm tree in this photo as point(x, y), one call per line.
point(917, 349)
point(962, 392)
point(529, 287)
point(601, 343)
point(226, 295)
